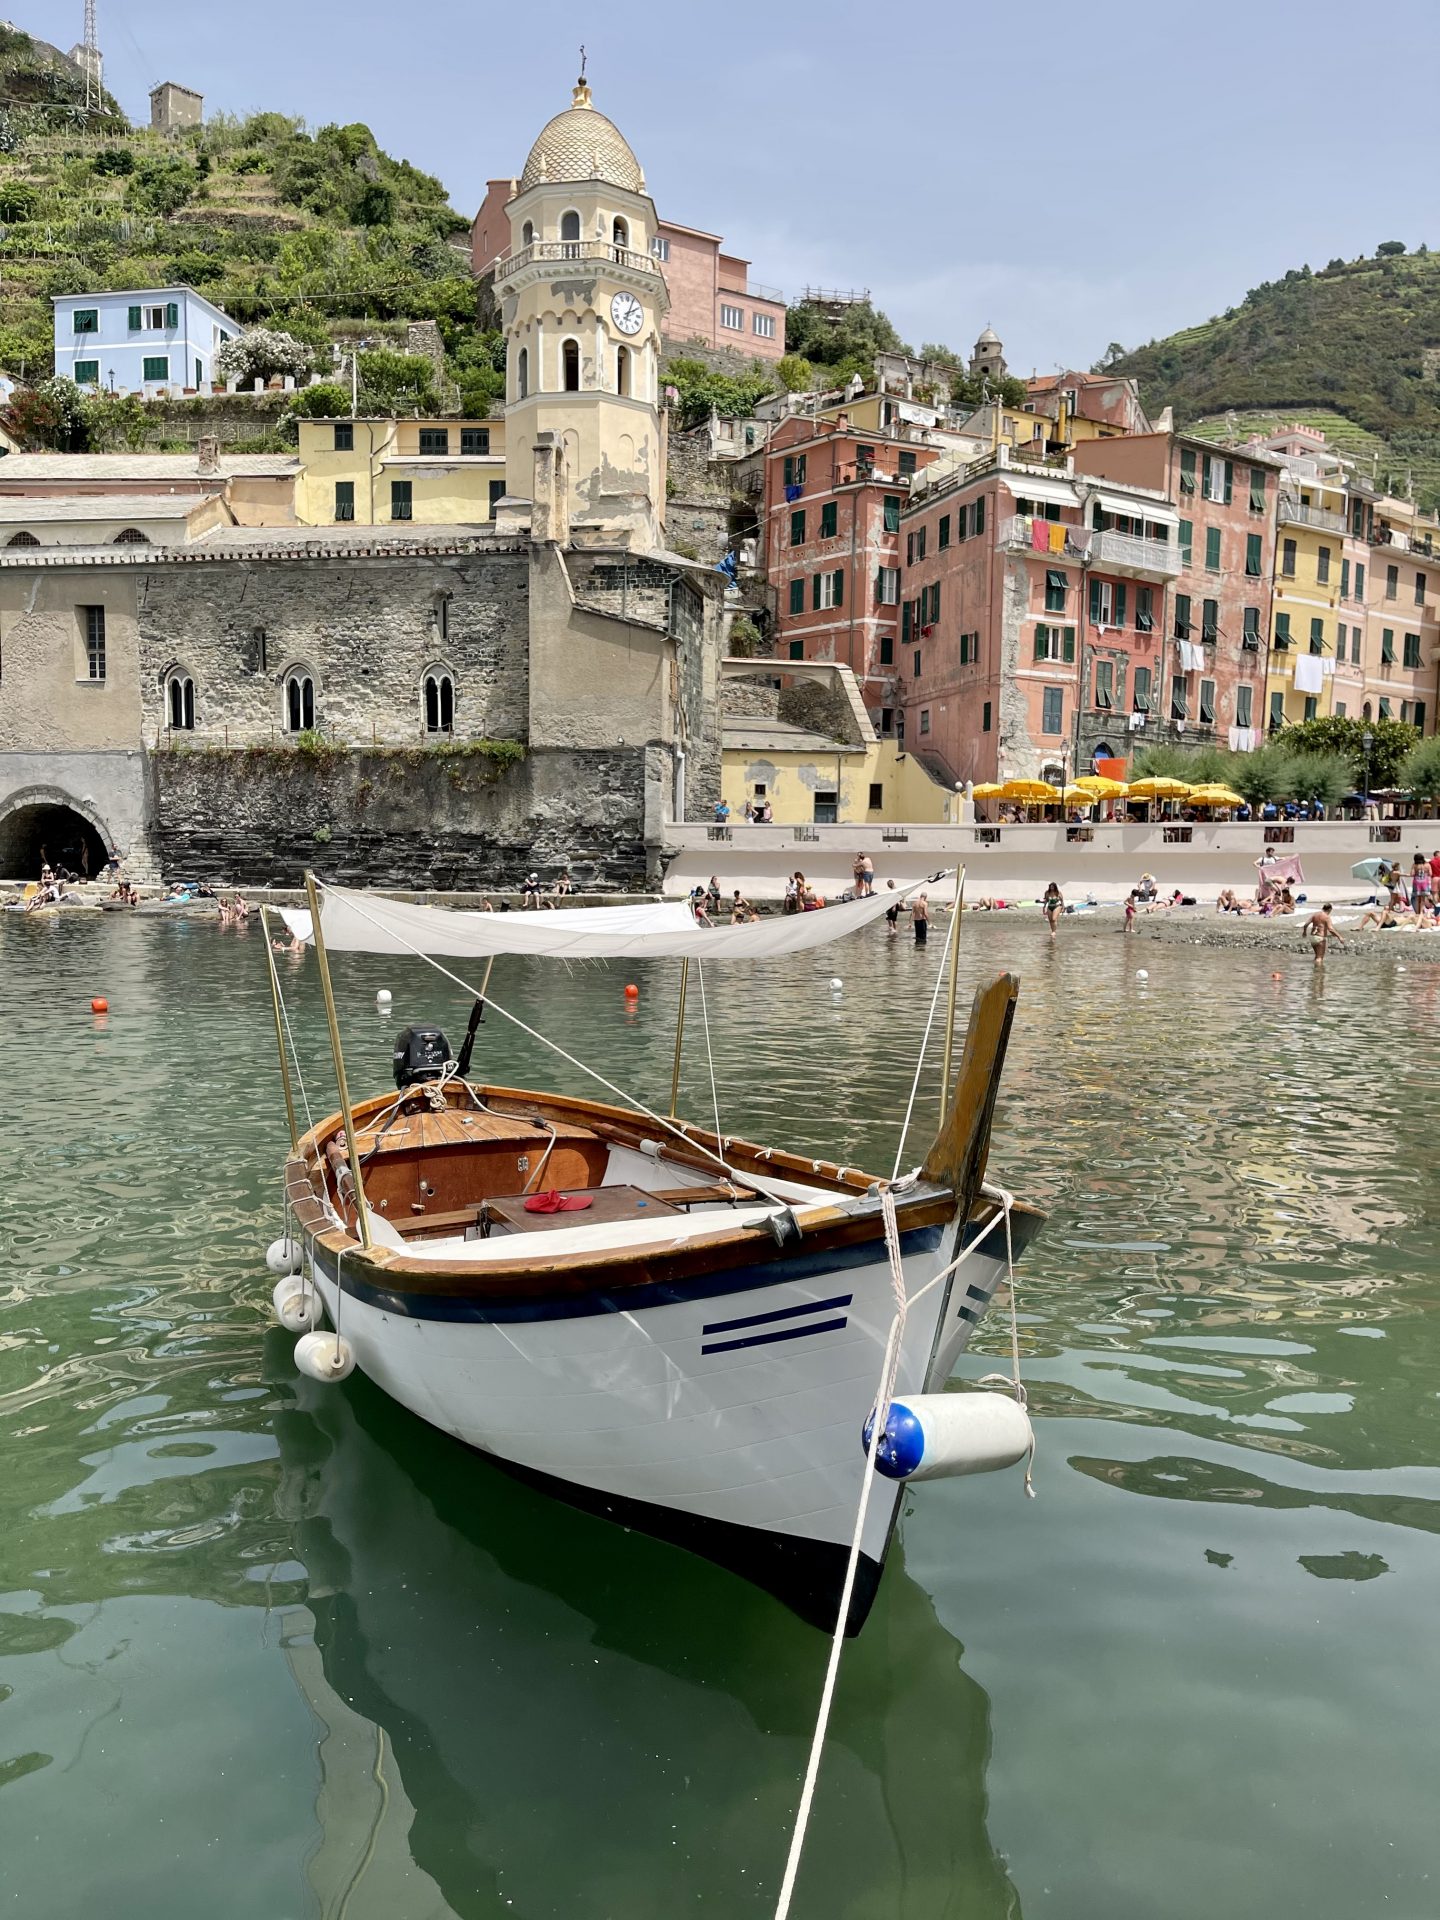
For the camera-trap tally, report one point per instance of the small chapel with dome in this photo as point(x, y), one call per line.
point(581, 300)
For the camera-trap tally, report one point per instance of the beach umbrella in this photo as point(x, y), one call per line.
point(1078, 796)
point(1367, 869)
point(1215, 796)
point(1160, 787)
point(1102, 786)
point(987, 790)
point(1032, 792)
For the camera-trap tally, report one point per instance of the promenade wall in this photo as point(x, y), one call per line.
point(1016, 862)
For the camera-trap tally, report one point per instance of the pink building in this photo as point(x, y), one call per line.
point(712, 302)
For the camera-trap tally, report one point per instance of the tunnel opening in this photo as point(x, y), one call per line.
point(31, 835)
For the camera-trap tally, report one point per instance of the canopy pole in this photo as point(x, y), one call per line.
point(361, 1212)
point(679, 1036)
point(279, 1031)
point(945, 1090)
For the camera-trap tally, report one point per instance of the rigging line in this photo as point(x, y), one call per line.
point(885, 1387)
point(687, 1139)
point(710, 1058)
point(925, 1037)
point(294, 1050)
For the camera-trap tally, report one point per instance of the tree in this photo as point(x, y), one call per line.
point(1266, 774)
point(48, 418)
point(1420, 770)
point(1390, 742)
point(396, 382)
point(261, 353)
point(829, 334)
point(1321, 776)
point(1388, 249)
point(327, 401)
point(703, 391)
point(115, 422)
point(795, 374)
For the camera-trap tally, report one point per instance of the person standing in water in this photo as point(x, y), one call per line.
point(1052, 906)
point(1129, 912)
point(920, 915)
point(1320, 930)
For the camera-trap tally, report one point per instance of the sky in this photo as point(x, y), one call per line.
point(1071, 175)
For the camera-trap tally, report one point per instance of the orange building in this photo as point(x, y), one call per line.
point(712, 302)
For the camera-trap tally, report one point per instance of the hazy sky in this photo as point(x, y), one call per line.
point(1070, 174)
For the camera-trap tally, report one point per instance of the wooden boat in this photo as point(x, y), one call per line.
point(692, 1346)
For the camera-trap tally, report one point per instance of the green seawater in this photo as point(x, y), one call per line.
point(269, 1649)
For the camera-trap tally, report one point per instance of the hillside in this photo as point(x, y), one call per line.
point(1359, 340)
point(321, 234)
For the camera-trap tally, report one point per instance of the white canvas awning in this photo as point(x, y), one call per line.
point(365, 923)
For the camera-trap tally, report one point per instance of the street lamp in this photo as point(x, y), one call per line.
point(1367, 740)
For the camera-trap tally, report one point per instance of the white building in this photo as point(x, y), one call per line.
point(155, 340)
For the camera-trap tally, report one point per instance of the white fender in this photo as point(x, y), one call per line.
point(282, 1256)
point(297, 1304)
point(933, 1436)
point(324, 1356)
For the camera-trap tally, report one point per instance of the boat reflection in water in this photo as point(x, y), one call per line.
point(574, 1721)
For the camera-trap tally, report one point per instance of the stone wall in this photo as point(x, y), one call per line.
point(417, 818)
point(366, 629)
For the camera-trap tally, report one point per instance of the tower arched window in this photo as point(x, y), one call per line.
point(522, 374)
point(180, 702)
point(527, 234)
point(622, 370)
point(620, 232)
point(299, 691)
point(439, 693)
point(130, 537)
point(570, 226)
point(570, 366)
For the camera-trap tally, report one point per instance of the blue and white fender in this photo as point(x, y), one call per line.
point(935, 1436)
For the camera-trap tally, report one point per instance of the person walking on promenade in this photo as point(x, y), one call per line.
point(1052, 906)
point(1320, 929)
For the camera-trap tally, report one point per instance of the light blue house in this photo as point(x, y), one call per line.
point(139, 342)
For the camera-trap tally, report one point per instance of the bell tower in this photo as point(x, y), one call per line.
point(581, 300)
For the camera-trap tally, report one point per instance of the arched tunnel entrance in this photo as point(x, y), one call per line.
point(45, 830)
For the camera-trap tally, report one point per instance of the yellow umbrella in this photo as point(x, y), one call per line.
point(1102, 786)
point(1161, 787)
point(1078, 796)
point(988, 790)
point(1215, 796)
point(1031, 791)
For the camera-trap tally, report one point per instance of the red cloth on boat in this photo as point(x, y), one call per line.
point(556, 1202)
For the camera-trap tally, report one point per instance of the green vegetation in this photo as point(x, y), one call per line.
point(703, 391)
point(1349, 342)
point(1313, 760)
point(1421, 771)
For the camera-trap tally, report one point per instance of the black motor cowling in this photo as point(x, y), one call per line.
point(421, 1053)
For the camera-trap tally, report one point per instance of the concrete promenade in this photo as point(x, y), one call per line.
point(1016, 862)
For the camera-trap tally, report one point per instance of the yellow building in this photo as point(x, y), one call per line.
point(1311, 555)
point(805, 778)
point(369, 472)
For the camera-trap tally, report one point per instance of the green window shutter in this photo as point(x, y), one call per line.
point(155, 367)
point(837, 581)
point(1412, 649)
point(815, 593)
point(1212, 549)
point(789, 469)
point(797, 596)
point(1282, 629)
point(87, 373)
point(1182, 616)
point(1344, 579)
point(1120, 603)
point(980, 515)
point(134, 322)
point(1229, 480)
point(1205, 476)
point(1187, 541)
point(1068, 648)
point(1094, 603)
point(829, 519)
point(172, 313)
point(1252, 555)
point(1359, 579)
point(887, 649)
point(944, 530)
point(1317, 635)
point(1042, 641)
point(1142, 689)
point(1187, 470)
point(892, 513)
point(1257, 489)
point(1210, 620)
point(797, 527)
point(905, 622)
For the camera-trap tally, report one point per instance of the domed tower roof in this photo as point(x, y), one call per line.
point(581, 144)
point(989, 338)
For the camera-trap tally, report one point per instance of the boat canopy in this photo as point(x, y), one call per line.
point(354, 922)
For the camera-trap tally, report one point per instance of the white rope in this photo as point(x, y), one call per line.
point(710, 1060)
point(639, 1106)
point(925, 1039)
point(1015, 1383)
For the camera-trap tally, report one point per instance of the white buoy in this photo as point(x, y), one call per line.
point(934, 1436)
point(836, 983)
point(297, 1304)
point(282, 1256)
point(1141, 974)
point(324, 1356)
point(382, 998)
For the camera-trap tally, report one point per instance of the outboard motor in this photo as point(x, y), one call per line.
point(421, 1053)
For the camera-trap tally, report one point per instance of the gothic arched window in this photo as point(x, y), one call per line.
point(299, 690)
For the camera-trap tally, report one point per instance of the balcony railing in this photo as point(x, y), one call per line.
point(1127, 552)
point(1017, 532)
point(564, 251)
point(1297, 514)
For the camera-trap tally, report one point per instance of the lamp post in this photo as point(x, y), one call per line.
point(1367, 740)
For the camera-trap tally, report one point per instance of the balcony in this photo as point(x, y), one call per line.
point(564, 252)
point(1295, 513)
point(1015, 533)
point(1126, 553)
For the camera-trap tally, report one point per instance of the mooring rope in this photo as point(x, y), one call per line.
point(710, 1061)
point(925, 1037)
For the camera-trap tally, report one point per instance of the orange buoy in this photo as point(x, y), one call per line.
point(1277, 976)
point(99, 1006)
point(632, 992)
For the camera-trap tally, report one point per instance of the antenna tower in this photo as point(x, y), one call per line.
point(92, 60)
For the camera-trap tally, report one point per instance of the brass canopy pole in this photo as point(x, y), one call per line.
point(945, 1088)
point(280, 1032)
point(362, 1214)
point(679, 1036)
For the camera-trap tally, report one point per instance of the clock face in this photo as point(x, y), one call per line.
point(627, 313)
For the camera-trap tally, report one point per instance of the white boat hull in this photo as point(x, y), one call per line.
point(729, 1421)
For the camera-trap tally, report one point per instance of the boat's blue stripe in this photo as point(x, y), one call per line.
point(792, 1270)
point(781, 1313)
point(781, 1333)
